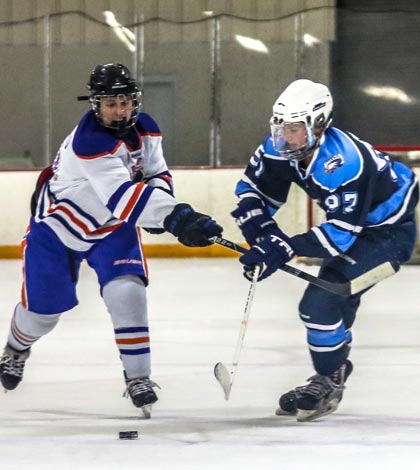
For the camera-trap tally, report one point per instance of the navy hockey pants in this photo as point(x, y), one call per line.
point(328, 317)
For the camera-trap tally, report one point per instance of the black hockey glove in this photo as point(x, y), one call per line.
point(154, 231)
point(253, 219)
point(190, 227)
point(271, 254)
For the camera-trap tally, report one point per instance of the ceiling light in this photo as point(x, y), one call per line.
point(252, 44)
point(126, 36)
point(310, 40)
point(389, 93)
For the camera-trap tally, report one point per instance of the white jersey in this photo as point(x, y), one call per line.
point(92, 192)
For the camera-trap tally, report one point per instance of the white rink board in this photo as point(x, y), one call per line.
point(208, 191)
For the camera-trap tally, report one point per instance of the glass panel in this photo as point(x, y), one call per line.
point(177, 89)
point(71, 65)
point(375, 77)
point(21, 82)
point(212, 99)
point(259, 59)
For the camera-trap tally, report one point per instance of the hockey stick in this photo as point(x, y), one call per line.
point(360, 283)
point(223, 376)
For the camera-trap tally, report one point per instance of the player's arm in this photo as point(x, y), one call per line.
point(346, 211)
point(351, 191)
point(261, 191)
point(143, 205)
point(155, 170)
point(260, 194)
point(162, 181)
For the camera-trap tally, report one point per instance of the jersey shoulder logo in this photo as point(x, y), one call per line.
point(333, 163)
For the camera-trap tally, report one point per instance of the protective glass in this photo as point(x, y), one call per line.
point(292, 140)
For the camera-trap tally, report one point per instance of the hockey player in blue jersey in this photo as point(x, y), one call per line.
point(109, 178)
point(369, 202)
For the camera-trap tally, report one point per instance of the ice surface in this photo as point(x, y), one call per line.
point(67, 412)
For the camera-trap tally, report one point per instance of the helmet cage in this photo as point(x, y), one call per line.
point(114, 80)
point(95, 102)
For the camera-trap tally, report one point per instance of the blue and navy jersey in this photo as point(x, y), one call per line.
point(357, 187)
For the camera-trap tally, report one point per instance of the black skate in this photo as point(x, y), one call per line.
point(319, 398)
point(142, 394)
point(12, 364)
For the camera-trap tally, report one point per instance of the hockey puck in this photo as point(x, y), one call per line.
point(128, 434)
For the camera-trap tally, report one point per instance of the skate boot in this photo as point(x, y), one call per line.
point(287, 402)
point(319, 397)
point(12, 364)
point(142, 394)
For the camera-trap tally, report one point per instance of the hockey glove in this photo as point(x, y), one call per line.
point(154, 231)
point(190, 227)
point(253, 219)
point(271, 253)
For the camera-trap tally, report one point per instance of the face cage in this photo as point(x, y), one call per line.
point(95, 102)
point(280, 144)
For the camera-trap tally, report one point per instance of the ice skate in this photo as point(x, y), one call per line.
point(319, 397)
point(12, 364)
point(287, 402)
point(141, 392)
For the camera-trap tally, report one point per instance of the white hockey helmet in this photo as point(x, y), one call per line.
point(303, 101)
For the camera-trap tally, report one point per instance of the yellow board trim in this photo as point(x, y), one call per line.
point(151, 251)
point(10, 252)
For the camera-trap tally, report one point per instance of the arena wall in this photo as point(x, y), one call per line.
point(207, 190)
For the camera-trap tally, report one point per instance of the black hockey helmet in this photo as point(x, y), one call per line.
point(113, 80)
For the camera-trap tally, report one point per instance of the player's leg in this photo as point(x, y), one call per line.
point(125, 298)
point(329, 345)
point(48, 289)
point(122, 272)
point(329, 338)
point(328, 319)
point(25, 329)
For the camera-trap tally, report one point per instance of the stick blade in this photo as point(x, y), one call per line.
point(223, 377)
point(372, 277)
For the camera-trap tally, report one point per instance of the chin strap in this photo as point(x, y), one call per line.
point(119, 128)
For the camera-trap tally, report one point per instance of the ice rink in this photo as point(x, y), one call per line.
point(68, 411)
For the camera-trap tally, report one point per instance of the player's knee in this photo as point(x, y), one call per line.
point(125, 295)
point(36, 324)
point(317, 304)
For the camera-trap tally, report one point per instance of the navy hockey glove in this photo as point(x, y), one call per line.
point(271, 254)
point(190, 227)
point(253, 219)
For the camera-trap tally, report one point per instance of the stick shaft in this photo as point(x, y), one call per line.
point(244, 324)
point(354, 286)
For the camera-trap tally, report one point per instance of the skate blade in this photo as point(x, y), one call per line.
point(281, 412)
point(147, 411)
point(310, 415)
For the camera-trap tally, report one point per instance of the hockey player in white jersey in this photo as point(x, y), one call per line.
point(369, 202)
point(109, 178)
